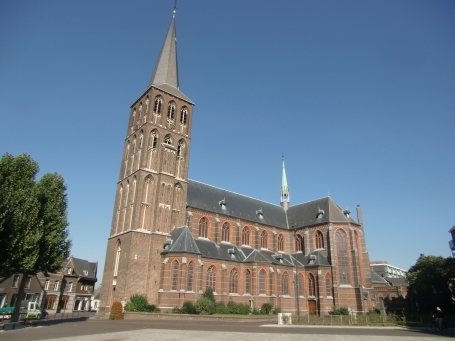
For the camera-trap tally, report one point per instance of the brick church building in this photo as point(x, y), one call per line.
point(172, 237)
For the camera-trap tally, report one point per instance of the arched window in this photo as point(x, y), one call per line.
point(203, 226)
point(319, 239)
point(225, 232)
point(133, 118)
point(189, 286)
point(211, 278)
point(280, 242)
point(170, 115)
point(264, 239)
point(175, 274)
point(171, 111)
point(262, 279)
point(154, 139)
point(247, 282)
point(183, 116)
point(311, 285)
point(246, 236)
point(342, 256)
point(117, 258)
point(233, 280)
point(158, 105)
point(140, 111)
point(285, 284)
point(299, 244)
point(147, 102)
point(328, 285)
point(180, 146)
point(167, 139)
point(300, 278)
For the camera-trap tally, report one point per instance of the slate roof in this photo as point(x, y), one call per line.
point(208, 198)
point(397, 282)
point(184, 242)
point(81, 265)
point(375, 278)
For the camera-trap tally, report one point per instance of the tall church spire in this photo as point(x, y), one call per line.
point(166, 70)
point(285, 200)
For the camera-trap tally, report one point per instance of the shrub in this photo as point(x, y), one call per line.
point(266, 308)
point(208, 293)
point(339, 311)
point(238, 308)
point(205, 306)
point(116, 311)
point(220, 308)
point(277, 310)
point(188, 308)
point(256, 311)
point(140, 303)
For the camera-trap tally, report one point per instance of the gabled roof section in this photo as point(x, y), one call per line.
point(315, 258)
point(217, 200)
point(183, 241)
point(165, 75)
point(397, 281)
point(84, 268)
point(319, 211)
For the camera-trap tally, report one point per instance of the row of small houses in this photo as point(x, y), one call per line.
point(71, 288)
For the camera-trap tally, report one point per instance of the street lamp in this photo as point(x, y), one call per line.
point(296, 275)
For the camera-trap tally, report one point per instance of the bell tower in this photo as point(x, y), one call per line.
point(152, 188)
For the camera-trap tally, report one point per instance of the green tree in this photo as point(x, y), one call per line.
point(431, 282)
point(33, 221)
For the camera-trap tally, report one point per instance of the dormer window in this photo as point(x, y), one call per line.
point(222, 204)
point(319, 214)
point(70, 271)
point(347, 213)
point(85, 272)
point(167, 244)
point(260, 214)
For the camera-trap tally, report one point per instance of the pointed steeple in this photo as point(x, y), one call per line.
point(166, 74)
point(284, 191)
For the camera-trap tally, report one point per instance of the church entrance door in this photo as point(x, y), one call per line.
point(312, 307)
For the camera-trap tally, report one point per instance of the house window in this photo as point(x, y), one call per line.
point(183, 115)
point(247, 282)
point(284, 284)
point(15, 281)
point(211, 278)
point(262, 276)
point(158, 104)
point(175, 273)
point(56, 284)
point(233, 280)
point(342, 255)
point(27, 283)
point(319, 240)
point(203, 224)
point(51, 302)
point(190, 277)
point(280, 242)
point(70, 271)
point(311, 286)
point(246, 236)
point(264, 239)
point(225, 232)
point(70, 286)
point(46, 285)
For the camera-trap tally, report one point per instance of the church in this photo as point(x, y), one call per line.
point(172, 237)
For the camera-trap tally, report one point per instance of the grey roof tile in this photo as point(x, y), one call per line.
point(375, 278)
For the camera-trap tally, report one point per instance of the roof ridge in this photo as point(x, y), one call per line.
point(242, 195)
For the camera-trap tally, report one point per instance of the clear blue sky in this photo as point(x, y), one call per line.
point(358, 95)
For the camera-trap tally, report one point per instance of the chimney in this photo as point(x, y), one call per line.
point(359, 216)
